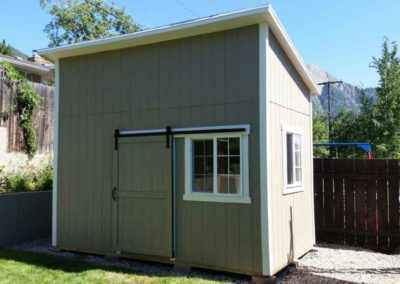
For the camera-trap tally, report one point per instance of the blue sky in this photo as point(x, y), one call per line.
point(340, 36)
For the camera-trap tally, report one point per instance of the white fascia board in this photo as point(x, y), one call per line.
point(174, 31)
point(26, 66)
point(288, 46)
point(191, 28)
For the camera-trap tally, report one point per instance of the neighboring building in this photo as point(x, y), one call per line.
point(188, 144)
point(35, 68)
point(40, 73)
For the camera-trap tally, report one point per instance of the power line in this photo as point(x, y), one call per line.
point(180, 3)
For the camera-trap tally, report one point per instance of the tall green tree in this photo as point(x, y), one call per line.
point(320, 134)
point(385, 132)
point(5, 48)
point(79, 20)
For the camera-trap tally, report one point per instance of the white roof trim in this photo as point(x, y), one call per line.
point(190, 28)
point(26, 65)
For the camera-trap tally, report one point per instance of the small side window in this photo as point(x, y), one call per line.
point(292, 161)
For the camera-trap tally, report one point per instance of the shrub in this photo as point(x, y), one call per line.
point(45, 179)
point(33, 175)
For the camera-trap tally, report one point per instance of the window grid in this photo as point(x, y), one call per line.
point(215, 155)
point(293, 159)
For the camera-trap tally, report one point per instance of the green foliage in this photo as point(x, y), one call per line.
point(5, 48)
point(378, 122)
point(26, 102)
point(37, 180)
point(78, 20)
point(320, 134)
point(44, 180)
point(386, 111)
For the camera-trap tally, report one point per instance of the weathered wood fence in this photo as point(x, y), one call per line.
point(357, 202)
point(43, 117)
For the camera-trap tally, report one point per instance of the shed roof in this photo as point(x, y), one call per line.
point(188, 28)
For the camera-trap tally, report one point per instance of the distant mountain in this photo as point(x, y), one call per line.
point(343, 96)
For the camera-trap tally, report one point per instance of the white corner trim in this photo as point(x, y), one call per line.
point(311, 169)
point(265, 208)
point(55, 155)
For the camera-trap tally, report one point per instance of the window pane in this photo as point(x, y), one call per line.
point(298, 174)
point(223, 183)
point(208, 147)
point(198, 167)
point(289, 157)
point(234, 146)
point(198, 183)
point(222, 145)
point(208, 183)
point(198, 147)
point(234, 184)
point(209, 166)
point(234, 165)
point(297, 142)
point(202, 165)
point(222, 165)
point(297, 157)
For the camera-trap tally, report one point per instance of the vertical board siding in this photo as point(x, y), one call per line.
point(205, 80)
point(289, 105)
point(365, 208)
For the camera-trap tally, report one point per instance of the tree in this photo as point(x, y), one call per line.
point(386, 111)
point(78, 20)
point(320, 134)
point(5, 48)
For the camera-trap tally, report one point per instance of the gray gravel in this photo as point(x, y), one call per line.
point(343, 264)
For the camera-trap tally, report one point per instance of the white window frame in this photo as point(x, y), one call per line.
point(296, 186)
point(243, 195)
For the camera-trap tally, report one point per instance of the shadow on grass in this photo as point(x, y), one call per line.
point(80, 263)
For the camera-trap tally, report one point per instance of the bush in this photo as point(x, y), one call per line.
point(45, 179)
point(27, 178)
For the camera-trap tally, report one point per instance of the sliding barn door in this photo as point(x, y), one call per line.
point(143, 197)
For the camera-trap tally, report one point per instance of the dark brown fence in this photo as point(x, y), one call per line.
point(357, 202)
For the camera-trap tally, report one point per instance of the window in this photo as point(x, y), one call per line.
point(293, 161)
point(216, 168)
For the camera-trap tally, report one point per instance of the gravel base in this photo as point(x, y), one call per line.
point(343, 264)
point(150, 268)
point(324, 264)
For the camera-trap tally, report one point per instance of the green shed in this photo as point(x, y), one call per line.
point(188, 144)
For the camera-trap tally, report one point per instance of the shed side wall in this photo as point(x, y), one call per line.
point(205, 80)
point(289, 106)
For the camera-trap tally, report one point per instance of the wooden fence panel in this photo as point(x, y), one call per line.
point(42, 118)
point(357, 202)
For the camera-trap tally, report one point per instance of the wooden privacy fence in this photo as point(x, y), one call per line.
point(42, 120)
point(357, 202)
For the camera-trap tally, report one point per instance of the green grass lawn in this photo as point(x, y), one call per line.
point(27, 267)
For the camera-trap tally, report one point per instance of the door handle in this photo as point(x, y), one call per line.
point(114, 194)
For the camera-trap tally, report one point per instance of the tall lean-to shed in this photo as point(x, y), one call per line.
point(187, 144)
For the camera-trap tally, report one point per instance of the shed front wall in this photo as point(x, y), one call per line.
point(289, 105)
point(205, 80)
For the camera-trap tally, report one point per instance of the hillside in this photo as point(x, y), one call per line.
point(343, 96)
